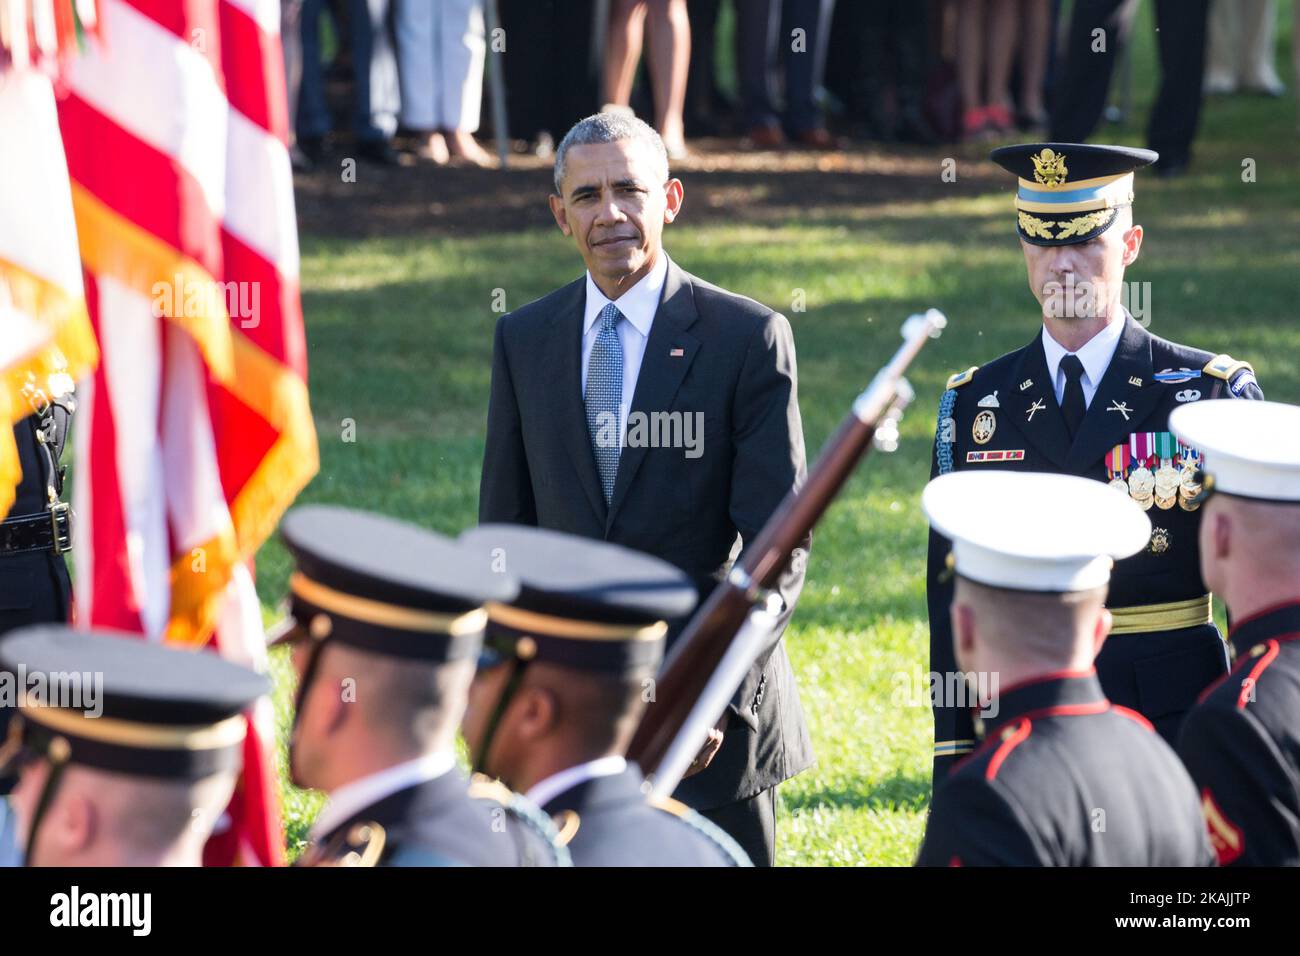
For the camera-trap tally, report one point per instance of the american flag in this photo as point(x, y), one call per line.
point(194, 433)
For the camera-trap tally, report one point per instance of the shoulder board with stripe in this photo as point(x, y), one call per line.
point(961, 378)
point(704, 826)
point(1225, 367)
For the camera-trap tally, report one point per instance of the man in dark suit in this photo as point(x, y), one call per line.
point(562, 684)
point(1063, 777)
point(386, 623)
point(1241, 742)
point(1090, 395)
point(643, 406)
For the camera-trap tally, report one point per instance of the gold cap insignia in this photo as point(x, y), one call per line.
point(1049, 168)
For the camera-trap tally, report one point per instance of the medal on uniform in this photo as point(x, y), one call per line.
point(1117, 461)
point(984, 426)
point(1166, 477)
point(1188, 487)
point(1141, 483)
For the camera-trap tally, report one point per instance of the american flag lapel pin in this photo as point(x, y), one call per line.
point(676, 353)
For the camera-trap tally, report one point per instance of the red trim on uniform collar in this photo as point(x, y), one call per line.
point(1263, 612)
point(1042, 678)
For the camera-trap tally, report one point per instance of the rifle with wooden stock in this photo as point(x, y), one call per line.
point(722, 641)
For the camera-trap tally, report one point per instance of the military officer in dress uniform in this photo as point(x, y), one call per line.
point(132, 763)
point(1090, 395)
point(36, 533)
point(567, 671)
point(1242, 741)
point(1063, 777)
point(386, 622)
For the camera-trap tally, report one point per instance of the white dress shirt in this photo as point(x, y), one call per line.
point(1095, 357)
point(638, 305)
point(352, 798)
point(544, 791)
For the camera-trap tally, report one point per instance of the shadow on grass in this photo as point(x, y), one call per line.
point(899, 792)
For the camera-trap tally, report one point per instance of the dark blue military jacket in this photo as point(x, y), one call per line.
point(447, 821)
point(608, 822)
point(1066, 778)
point(1004, 415)
point(1242, 745)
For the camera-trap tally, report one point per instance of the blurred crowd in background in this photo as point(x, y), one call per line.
point(405, 79)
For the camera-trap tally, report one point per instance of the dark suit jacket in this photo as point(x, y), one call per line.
point(1159, 674)
point(736, 367)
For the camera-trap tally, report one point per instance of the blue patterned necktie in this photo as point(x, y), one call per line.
point(604, 397)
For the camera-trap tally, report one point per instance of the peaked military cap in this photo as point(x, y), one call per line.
point(385, 586)
point(1009, 530)
point(119, 703)
point(1249, 449)
point(1070, 192)
point(582, 603)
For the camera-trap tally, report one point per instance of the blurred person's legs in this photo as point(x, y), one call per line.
point(1255, 58)
point(1221, 47)
point(1035, 44)
point(312, 116)
point(441, 46)
point(804, 69)
point(417, 68)
point(1295, 51)
point(758, 23)
point(910, 29)
point(1003, 35)
point(704, 101)
point(1089, 62)
point(375, 96)
point(971, 47)
point(668, 29)
point(291, 44)
point(623, 51)
point(1180, 33)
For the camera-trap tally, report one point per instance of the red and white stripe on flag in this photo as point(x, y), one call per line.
point(195, 431)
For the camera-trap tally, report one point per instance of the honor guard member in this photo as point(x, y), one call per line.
point(1242, 741)
point(37, 532)
point(386, 621)
point(134, 762)
point(567, 669)
point(1063, 777)
point(1090, 395)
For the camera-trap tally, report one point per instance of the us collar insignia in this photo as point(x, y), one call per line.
point(1049, 168)
point(1134, 380)
point(1026, 383)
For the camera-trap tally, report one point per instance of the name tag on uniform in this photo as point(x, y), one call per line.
point(1016, 454)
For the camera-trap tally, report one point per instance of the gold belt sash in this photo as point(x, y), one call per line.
point(1173, 616)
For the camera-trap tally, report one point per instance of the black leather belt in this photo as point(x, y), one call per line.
point(51, 531)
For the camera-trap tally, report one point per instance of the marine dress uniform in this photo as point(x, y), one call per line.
point(1005, 415)
point(1064, 776)
point(1241, 742)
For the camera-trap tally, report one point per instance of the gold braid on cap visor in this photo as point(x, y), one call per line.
point(383, 614)
point(226, 733)
point(573, 628)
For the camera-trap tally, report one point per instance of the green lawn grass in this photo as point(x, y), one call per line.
point(400, 335)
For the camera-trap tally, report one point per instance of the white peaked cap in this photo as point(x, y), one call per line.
point(1034, 532)
point(1249, 449)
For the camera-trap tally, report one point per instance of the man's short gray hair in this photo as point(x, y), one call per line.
point(609, 128)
